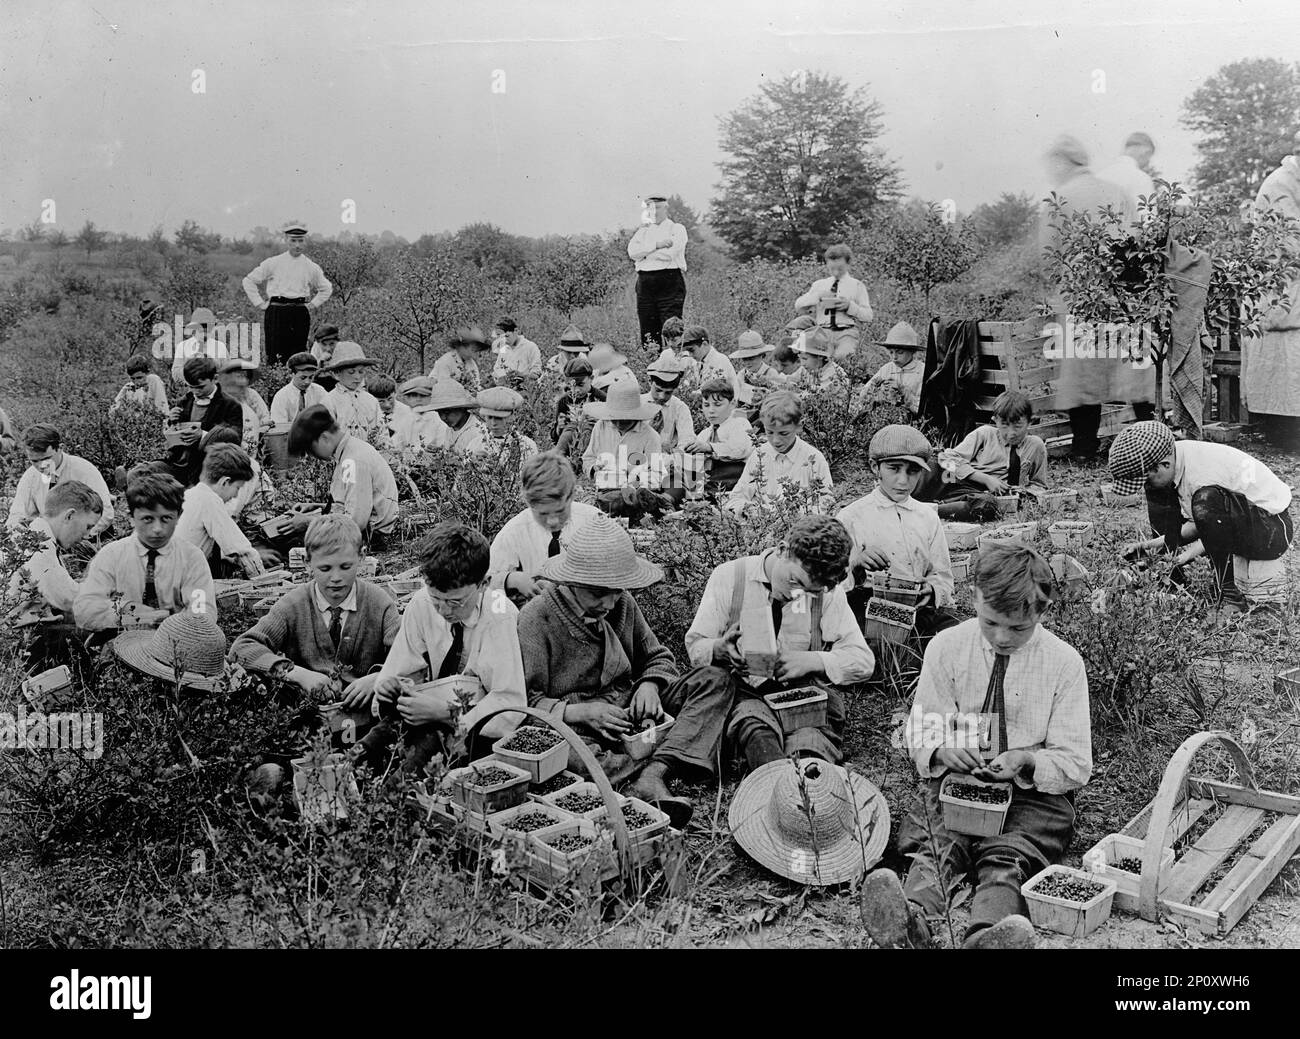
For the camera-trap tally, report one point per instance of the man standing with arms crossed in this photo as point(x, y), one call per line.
point(659, 250)
point(295, 286)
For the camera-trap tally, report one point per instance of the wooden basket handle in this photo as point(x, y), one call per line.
point(1162, 810)
point(606, 788)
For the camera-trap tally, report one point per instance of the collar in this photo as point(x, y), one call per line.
point(205, 402)
point(989, 654)
point(906, 367)
point(42, 526)
point(883, 501)
point(142, 550)
point(757, 570)
point(1180, 466)
point(343, 442)
point(348, 605)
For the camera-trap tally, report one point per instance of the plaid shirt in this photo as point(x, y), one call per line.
point(1046, 702)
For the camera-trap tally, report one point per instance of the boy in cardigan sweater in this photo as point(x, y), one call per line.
point(591, 660)
point(334, 627)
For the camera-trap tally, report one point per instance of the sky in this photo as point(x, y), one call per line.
point(557, 116)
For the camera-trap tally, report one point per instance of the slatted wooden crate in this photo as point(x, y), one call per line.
point(1179, 804)
point(1226, 371)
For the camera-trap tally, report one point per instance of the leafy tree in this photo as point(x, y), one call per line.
point(913, 246)
point(58, 238)
point(1008, 221)
point(32, 232)
point(191, 281)
point(492, 250)
point(194, 239)
point(1246, 114)
point(801, 157)
point(158, 240)
point(90, 237)
point(574, 272)
point(349, 266)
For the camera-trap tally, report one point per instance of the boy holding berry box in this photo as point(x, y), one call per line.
point(1004, 666)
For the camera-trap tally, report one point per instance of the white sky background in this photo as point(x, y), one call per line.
point(390, 102)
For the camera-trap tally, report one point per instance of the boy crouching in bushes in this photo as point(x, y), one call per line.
point(1004, 664)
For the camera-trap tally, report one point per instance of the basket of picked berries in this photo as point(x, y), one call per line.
point(887, 621)
point(538, 750)
point(1068, 901)
point(640, 743)
point(974, 806)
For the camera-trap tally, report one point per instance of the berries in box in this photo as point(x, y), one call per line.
point(974, 806)
point(804, 707)
point(540, 751)
point(487, 785)
point(641, 743)
point(1069, 901)
point(1118, 857)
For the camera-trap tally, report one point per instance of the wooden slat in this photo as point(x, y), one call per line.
point(1280, 838)
point(1040, 405)
point(1184, 818)
point(1273, 850)
point(1011, 329)
point(1229, 794)
point(1023, 380)
point(1193, 917)
point(1001, 348)
point(1214, 848)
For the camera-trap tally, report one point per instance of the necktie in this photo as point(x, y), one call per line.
point(150, 589)
point(713, 434)
point(302, 400)
point(451, 662)
point(777, 607)
point(1013, 468)
point(995, 701)
point(835, 288)
point(336, 626)
point(553, 549)
point(657, 423)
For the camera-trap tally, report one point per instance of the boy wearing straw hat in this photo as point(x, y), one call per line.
point(460, 362)
point(199, 342)
point(674, 333)
point(591, 659)
point(497, 405)
point(349, 402)
point(622, 444)
point(572, 344)
point(300, 392)
point(428, 431)
point(363, 485)
point(541, 531)
point(904, 369)
point(455, 407)
point(672, 420)
point(816, 348)
point(1001, 666)
point(787, 602)
point(1210, 499)
point(608, 367)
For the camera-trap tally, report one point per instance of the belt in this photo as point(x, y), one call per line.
point(288, 301)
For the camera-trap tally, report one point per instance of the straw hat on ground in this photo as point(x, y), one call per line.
point(624, 402)
point(191, 639)
point(449, 395)
point(901, 337)
point(348, 355)
point(750, 344)
point(840, 838)
point(600, 555)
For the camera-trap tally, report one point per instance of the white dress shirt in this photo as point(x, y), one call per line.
point(1199, 463)
point(53, 584)
point(346, 608)
point(858, 311)
point(732, 440)
point(648, 257)
point(152, 392)
point(523, 359)
point(363, 485)
point(289, 400)
point(909, 533)
point(678, 426)
point(181, 579)
point(293, 277)
point(718, 364)
point(356, 411)
point(798, 465)
point(33, 486)
point(206, 521)
point(522, 544)
point(471, 439)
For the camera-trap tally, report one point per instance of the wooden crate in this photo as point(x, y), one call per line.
point(1179, 803)
point(1226, 372)
point(1012, 358)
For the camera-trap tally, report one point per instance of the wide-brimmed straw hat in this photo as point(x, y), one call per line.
point(810, 821)
point(420, 385)
point(604, 358)
point(449, 395)
point(750, 344)
point(816, 342)
point(624, 402)
point(348, 354)
point(573, 341)
point(600, 554)
point(191, 639)
point(471, 335)
point(901, 337)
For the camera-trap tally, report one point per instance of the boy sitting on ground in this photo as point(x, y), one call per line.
point(1205, 498)
point(904, 370)
point(572, 426)
point(497, 406)
point(722, 446)
point(398, 419)
point(210, 408)
point(150, 573)
point(454, 625)
point(622, 442)
point(823, 373)
point(838, 303)
point(786, 599)
point(784, 459)
point(300, 392)
point(996, 459)
point(672, 420)
point(460, 362)
point(143, 387)
point(327, 637)
point(1005, 665)
point(51, 466)
point(205, 519)
point(428, 431)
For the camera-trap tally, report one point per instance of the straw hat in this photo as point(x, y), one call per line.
point(472, 335)
point(348, 354)
point(191, 638)
point(604, 358)
point(236, 364)
point(201, 316)
point(500, 401)
point(449, 395)
point(624, 402)
point(668, 370)
point(815, 342)
point(573, 341)
point(750, 344)
point(419, 385)
point(835, 839)
point(901, 337)
point(600, 554)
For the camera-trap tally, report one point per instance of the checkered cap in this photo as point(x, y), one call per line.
point(1137, 448)
point(901, 442)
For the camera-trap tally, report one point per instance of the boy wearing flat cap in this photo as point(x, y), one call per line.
point(300, 392)
point(497, 406)
point(672, 420)
point(428, 430)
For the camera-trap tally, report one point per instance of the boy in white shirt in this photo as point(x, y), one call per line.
point(50, 466)
point(205, 520)
point(725, 442)
point(839, 302)
point(518, 358)
point(398, 417)
point(824, 375)
point(466, 435)
point(300, 392)
point(352, 406)
point(673, 421)
point(904, 369)
point(428, 431)
point(460, 362)
point(784, 458)
point(1205, 498)
point(497, 406)
point(236, 383)
point(144, 387)
point(695, 340)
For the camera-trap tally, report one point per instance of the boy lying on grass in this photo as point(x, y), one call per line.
point(1004, 664)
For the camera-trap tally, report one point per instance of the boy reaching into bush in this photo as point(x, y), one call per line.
point(334, 629)
point(1004, 664)
point(150, 572)
point(785, 601)
point(572, 426)
point(996, 459)
point(784, 459)
point(894, 533)
point(71, 512)
point(904, 370)
point(1206, 498)
point(454, 625)
point(51, 466)
point(460, 362)
point(143, 387)
point(205, 519)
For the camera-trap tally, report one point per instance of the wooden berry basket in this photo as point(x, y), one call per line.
point(1109, 497)
point(485, 800)
point(898, 589)
point(1071, 534)
point(641, 745)
point(350, 726)
point(972, 817)
point(804, 712)
point(556, 866)
point(498, 823)
point(541, 766)
point(1006, 504)
point(1102, 856)
point(1179, 803)
point(566, 779)
point(322, 790)
point(961, 566)
point(50, 689)
point(883, 621)
point(1075, 919)
point(961, 537)
point(1058, 499)
point(1222, 432)
point(591, 790)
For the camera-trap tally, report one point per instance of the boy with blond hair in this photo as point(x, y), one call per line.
point(838, 303)
point(51, 466)
point(785, 457)
point(1002, 665)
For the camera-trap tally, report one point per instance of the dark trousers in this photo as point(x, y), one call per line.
point(285, 327)
point(751, 718)
point(659, 296)
point(1085, 421)
point(964, 500)
point(1228, 525)
point(1038, 830)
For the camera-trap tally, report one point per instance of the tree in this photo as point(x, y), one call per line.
point(348, 265)
point(425, 297)
point(1008, 221)
point(32, 232)
point(1246, 114)
point(90, 237)
point(801, 157)
point(194, 239)
point(574, 272)
point(190, 282)
point(683, 214)
point(913, 246)
point(58, 238)
point(158, 240)
point(493, 251)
